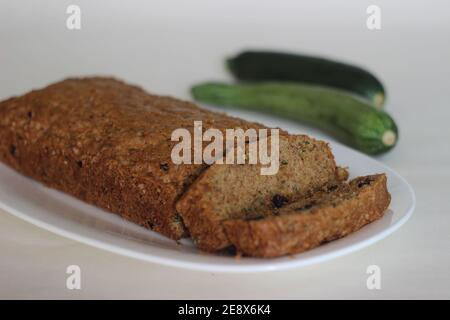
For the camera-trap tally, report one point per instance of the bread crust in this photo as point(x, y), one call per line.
point(107, 143)
point(292, 232)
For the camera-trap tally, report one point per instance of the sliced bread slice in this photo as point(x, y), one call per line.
point(233, 191)
point(317, 219)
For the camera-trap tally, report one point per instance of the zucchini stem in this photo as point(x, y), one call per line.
point(389, 138)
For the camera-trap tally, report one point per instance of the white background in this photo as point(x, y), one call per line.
point(166, 46)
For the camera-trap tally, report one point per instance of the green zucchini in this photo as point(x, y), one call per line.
point(275, 66)
point(350, 120)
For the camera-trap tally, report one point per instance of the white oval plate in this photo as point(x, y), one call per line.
point(71, 218)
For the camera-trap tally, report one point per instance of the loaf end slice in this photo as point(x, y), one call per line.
point(312, 221)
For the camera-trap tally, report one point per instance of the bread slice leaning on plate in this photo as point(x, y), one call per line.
point(311, 221)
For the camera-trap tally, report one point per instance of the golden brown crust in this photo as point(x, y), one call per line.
point(107, 143)
point(292, 232)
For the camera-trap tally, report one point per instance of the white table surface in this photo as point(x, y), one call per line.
point(165, 46)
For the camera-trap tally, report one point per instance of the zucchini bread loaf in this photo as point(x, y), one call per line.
point(109, 144)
